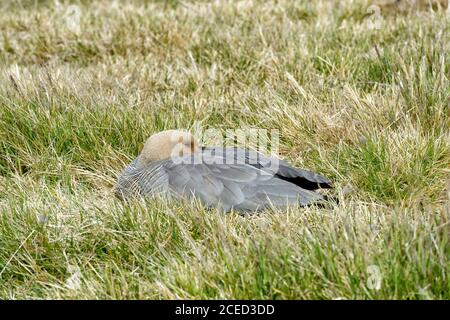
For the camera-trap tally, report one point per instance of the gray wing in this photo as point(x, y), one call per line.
point(138, 181)
point(240, 186)
point(303, 178)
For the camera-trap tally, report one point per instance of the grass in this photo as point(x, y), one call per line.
point(366, 107)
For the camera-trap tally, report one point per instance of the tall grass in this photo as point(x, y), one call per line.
point(366, 107)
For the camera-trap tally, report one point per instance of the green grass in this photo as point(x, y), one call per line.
point(366, 107)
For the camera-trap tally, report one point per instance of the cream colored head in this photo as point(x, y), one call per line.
point(168, 144)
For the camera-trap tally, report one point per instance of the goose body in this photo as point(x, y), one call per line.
point(228, 178)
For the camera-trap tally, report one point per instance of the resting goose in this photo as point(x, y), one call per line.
point(173, 163)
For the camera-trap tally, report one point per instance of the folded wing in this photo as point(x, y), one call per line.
point(238, 186)
point(303, 178)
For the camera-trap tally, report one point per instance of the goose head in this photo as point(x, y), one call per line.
point(168, 144)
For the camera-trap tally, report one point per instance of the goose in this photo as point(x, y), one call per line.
point(173, 163)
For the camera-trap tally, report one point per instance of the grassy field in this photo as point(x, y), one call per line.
point(363, 99)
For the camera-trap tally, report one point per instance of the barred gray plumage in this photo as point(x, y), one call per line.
point(228, 178)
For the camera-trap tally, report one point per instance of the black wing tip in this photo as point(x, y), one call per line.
point(306, 183)
point(325, 185)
